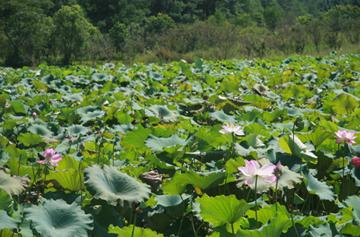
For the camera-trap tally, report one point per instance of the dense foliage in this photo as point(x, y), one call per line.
point(55, 31)
point(229, 148)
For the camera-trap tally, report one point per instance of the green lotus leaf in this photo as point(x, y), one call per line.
point(307, 221)
point(135, 140)
point(113, 186)
point(6, 222)
point(257, 101)
point(350, 229)
point(210, 138)
point(267, 213)
point(100, 77)
point(275, 220)
point(162, 112)
point(169, 200)
point(221, 210)
point(5, 200)
point(30, 139)
point(90, 113)
point(324, 131)
point(354, 203)
point(131, 231)
point(18, 107)
point(314, 186)
point(68, 179)
point(320, 231)
point(158, 144)
point(288, 178)
point(76, 130)
point(345, 104)
point(78, 97)
point(40, 129)
point(9, 184)
point(178, 183)
point(294, 146)
point(278, 224)
point(56, 218)
point(222, 117)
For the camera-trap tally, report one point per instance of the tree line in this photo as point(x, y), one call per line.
point(62, 31)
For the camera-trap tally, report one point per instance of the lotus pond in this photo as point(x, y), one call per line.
point(260, 148)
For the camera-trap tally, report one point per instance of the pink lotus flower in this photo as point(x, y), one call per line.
point(264, 174)
point(355, 161)
point(51, 158)
point(344, 136)
point(232, 128)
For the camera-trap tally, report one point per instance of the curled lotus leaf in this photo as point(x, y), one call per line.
point(56, 218)
point(89, 113)
point(163, 113)
point(113, 186)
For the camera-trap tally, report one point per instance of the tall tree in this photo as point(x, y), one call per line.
point(272, 14)
point(72, 31)
point(27, 30)
point(106, 13)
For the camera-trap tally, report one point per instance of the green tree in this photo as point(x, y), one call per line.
point(106, 13)
point(72, 31)
point(27, 31)
point(299, 37)
point(272, 15)
point(350, 20)
point(119, 33)
point(313, 28)
point(158, 24)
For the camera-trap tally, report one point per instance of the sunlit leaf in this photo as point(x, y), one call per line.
point(221, 210)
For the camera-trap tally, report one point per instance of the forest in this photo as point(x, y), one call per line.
point(179, 118)
point(64, 31)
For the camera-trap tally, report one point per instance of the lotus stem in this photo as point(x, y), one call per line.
point(193, 227)
point(19, 164)
point(293, 223)
point(180, 226)
point(256, 214)
point(276, 191)
point(291, 214)
point(98, 153)
point(45, 174)
point(80, 180)
point(133, 229)
point(78, 143)
point(113, 152)
point(134, 221)
point(293, 134)
point(343, 167)
point(233, 139)
point(343, 162)
point(70, 142)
